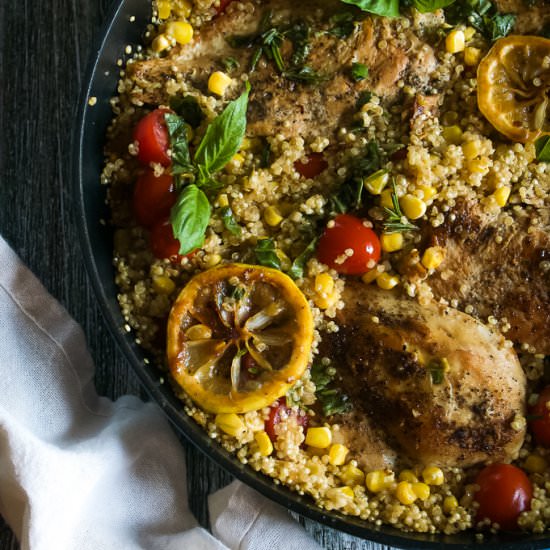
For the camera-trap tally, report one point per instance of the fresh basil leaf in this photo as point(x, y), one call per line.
point(426, 6)
point(482, 15)
point(188, 107)
point(223, 136)
point(229, 221)
point(387, 8)
point(177, 131)
point(296, 270)
point(542, 147)
point(359, 71)
point(189, 218)
point(499, 25)
point(266, 254)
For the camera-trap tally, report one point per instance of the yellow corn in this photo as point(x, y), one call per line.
point(432, 475)
point(376, 182)
point(421, 490)
point(181, 31)
point(471, 56)
point(408, 475)
point(184, 8)
point(428, 192)
point(469, 33)
point(272, 216)
point(230, 423)
point(536, 464)
point(480, 166)
point(223, 200)
point(455, 41)
point(449, 504)
point(471, 149)
point(212, 260)
point(160, 43)
point(370, 276)
point(391, 242)
point(404, 493)
point(198, 332)
point(264, 443)
point(319, 438)
point(324, 284)
point(164, 9)
point(337, 454)
point(385, 281)
point(501, 195)
point(347, 491)
point(386, 198)
point(452, 134)
point(218, 82)
point(412, 206)
point(378, 480)
point(163, 285)
point(433, 257)
point(352, 475)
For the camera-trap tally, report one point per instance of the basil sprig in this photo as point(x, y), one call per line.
point(542, 147)
point(191, 212)
point(387, 8)
point(266, 253)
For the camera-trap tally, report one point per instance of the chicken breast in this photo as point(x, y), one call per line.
point(442, 387)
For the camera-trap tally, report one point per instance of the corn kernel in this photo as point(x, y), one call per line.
point(469, 33)
point(264, 443)
point(385, 281)
point(408, 475)
point(370, 276)
point(501, 195)
point(386, 198)
point(452, 134)
point(433, 257)
point(337, 454)
point(218, 83)
point(164, 9)
point(428, 192)
point(471, 149)
point(347, 491)
point(404, 493)
point(324, 284)
point(212, 260)
point(163, 285)
point(432, 475)
point(320, 437)
point(412, 206)
point(230, 423)
point(379, 480)
point(181, 31)
point(455, 41)
point(479, 166)
point(223, 200)
point(376, 182)
point(449, 504)
point(184, 8)
point(471, 56)
point(536, 464)
point(272, 216)
point(421, 490)
point(160, 43)
point(352, 475)
point(391, 242)
point(198, 332)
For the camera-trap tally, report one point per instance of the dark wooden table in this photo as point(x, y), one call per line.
point(44, 48)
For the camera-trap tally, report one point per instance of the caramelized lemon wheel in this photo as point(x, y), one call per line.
point(239, 336)
point(513, 83)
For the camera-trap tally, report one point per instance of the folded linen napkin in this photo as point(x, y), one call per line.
point(80, 472)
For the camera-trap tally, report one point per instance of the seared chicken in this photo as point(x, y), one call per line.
point(441, 386)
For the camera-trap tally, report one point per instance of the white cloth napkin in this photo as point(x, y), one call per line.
point(80, 472)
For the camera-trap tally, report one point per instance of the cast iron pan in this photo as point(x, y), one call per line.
point(124, 26)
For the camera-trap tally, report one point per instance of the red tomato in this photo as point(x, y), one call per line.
point(152, 137)
point(540, 425)
point(505, 491)
point(345, 233)
point(313, 167)
point(153, 197)
point(278, 410)
point(163, 242)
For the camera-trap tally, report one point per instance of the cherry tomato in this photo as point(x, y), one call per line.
point(152, 137)
point(153, 197)
point(163, 242)
point(313, 167)
point(344, 234)
point(278, 410)
point(540, 425)
point(505, 491)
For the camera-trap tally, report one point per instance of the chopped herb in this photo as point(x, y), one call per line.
point(299, 35)
point(437, 369)
point(331, 399)
point(266, 254)
point(359, 71)
point(229, 221)
point(265, 158)
point(188, 107)
point(304, 74)
point(542, 147)
point(230, 63)
point(343, 24)
point(363, 99)
point(181, 160)
point(395, 221)
point(296, 270)
point(499, 25)
point(237, 293)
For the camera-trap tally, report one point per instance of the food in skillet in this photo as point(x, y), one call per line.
point(332, 232)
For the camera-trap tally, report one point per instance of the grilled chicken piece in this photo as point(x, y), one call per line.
point(277, 104)
point(441, 385)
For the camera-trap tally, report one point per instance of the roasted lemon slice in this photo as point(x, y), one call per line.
point(513, 83)
point(238, 337)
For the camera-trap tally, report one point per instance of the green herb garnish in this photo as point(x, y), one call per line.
point(396, 222)
point(343, 24)
point(425, 6)
point(363, 99)
point(331, 398)
point(437, 369)
point(230, 63)
point(296, 270)
point(229, 221)
point(266, 254)
point(542, 147)
point(304, 74)
point(189, 109)
point(387, 8)
point(359, 71)
point(181, 159)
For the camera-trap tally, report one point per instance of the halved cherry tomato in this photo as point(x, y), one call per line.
point(348, 246)
point(152, 137)
point(540, 424)
point(504, 492)
point(315, 164)
point(153, 198)
point(279, 411)
point(163, 242)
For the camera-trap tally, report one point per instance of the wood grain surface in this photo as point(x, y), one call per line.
point(44, 48)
